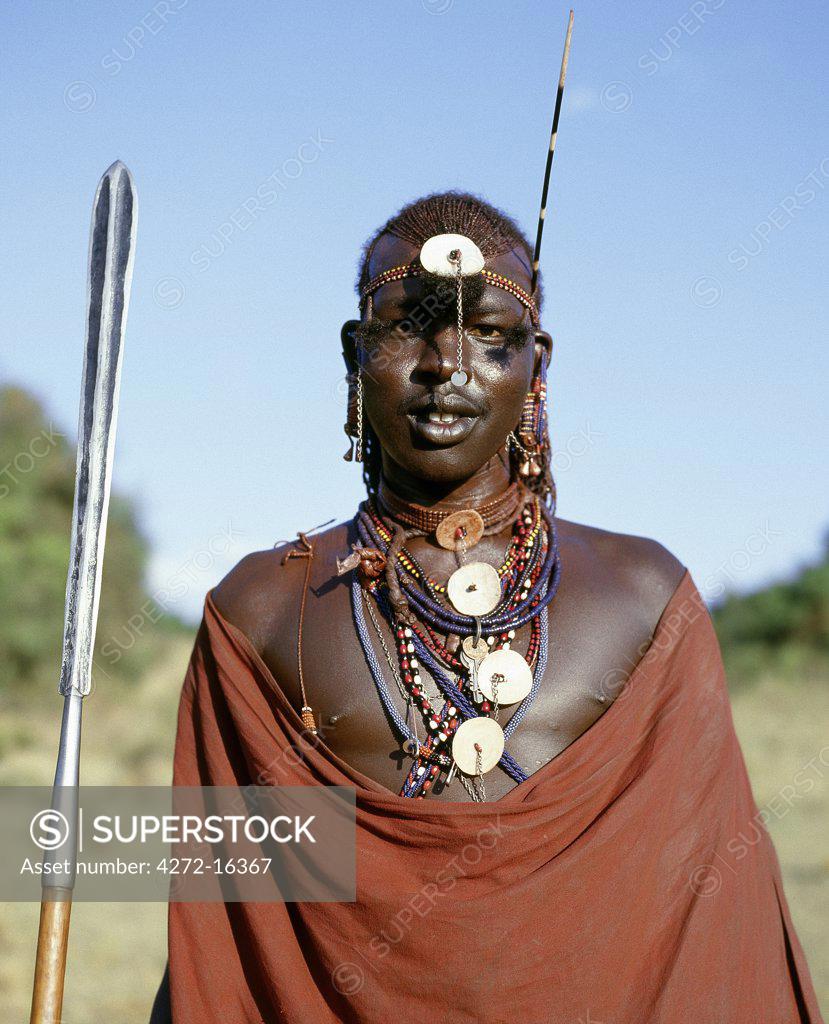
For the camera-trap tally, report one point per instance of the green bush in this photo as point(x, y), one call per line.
point(783, 629)
point(37, 482)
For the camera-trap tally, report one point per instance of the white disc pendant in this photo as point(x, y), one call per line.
point(475, 588)
point(459, 378)
point(512, 674)
point(490, 738)
point(434, 256)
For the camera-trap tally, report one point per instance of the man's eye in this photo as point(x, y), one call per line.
point(486, 331)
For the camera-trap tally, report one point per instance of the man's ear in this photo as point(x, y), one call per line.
point(348, 337)
point(542, 341)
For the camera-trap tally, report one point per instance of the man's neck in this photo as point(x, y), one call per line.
point(490, 481)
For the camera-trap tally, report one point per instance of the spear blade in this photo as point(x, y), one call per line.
point(111, 257)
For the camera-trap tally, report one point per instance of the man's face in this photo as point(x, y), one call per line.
point(408, 351)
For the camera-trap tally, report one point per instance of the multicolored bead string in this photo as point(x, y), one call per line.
point(531, 573)
point(449, 621)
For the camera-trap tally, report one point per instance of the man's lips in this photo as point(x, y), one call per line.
point(442, 428)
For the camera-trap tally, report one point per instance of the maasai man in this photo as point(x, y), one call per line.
point(470, 661)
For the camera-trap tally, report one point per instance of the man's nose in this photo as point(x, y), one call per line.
point(439, 356)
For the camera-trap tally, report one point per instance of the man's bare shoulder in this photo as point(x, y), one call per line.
point(636, 575)
point(638, 570)
point(261, 588)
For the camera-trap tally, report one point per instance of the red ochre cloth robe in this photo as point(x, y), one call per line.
point(629, 880)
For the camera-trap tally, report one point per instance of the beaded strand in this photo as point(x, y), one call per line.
point(530, 574)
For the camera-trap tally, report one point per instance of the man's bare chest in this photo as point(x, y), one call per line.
point(596, 639)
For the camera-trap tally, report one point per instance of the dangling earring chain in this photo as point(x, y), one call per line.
point(459, 377)
point(354, 417)
point(459, 285)
point(359, 450)
point(511, 437)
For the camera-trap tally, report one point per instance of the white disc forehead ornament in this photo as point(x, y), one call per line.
point(435, 252)
point(505, 676)
point(475, 588)
point(488, 735)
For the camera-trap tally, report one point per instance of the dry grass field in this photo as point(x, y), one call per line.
point(117, 951)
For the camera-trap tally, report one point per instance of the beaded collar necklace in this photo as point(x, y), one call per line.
point(494, 514)
point(413, 567)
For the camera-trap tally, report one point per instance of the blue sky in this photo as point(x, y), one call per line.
point(685, 255)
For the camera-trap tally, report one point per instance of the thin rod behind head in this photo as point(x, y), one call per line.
point(551, 152)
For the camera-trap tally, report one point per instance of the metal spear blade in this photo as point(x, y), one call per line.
point(111, 252)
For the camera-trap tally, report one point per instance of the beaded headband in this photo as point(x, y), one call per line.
point(415, 269)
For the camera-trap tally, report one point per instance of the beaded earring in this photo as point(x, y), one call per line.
point(532, 427)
